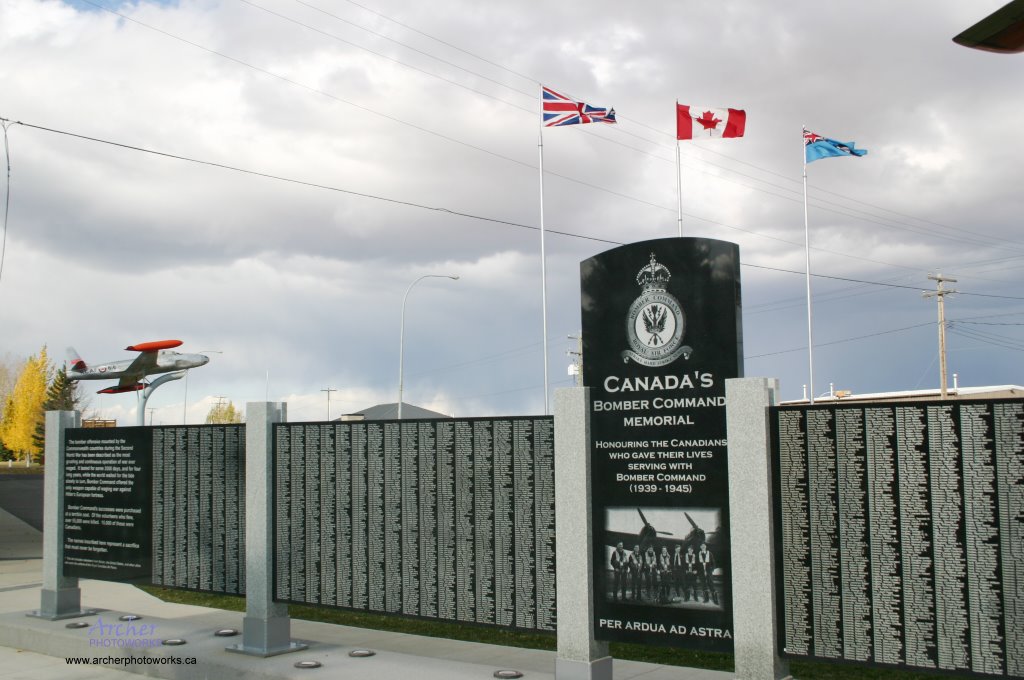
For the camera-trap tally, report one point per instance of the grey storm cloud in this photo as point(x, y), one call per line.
point(383, 145)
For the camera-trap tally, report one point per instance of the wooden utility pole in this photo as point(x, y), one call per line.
point(941, 294)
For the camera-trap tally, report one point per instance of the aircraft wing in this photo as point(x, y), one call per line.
point(612, 538)
point(143, 365)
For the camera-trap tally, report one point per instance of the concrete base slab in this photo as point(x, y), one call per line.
point(47, 644)
point(203, 655)
point(60, 617)
point(264, 652)
point(598, 669)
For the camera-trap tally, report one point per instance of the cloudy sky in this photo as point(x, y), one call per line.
point(390, 139)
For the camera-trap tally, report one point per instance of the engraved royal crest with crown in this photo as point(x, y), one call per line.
point(655, 324)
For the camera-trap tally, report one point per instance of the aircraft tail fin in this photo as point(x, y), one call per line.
point(77, 363)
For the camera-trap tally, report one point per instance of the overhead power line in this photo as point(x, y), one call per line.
point(876, 283)
point(379, 55)
point(660, 131)
point(988, 338)
point(449, 211)
point(817, 203)
point(835, 209)
point(225, 166)
point(427, 35)
point(988, 323)
point(314, 185)
point(838, 342)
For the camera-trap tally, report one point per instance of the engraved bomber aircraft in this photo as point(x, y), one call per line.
point(650, 536)
point(154, 357)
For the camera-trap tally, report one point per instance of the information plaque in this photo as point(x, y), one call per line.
point(199, 508)
point(158, 504)
point(661, 334)
point(900, 534)
point(107, 504)
point(443, 519)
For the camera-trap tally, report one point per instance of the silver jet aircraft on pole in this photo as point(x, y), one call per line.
point(154, 357)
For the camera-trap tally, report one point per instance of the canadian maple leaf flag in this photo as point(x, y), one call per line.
point(701, 122)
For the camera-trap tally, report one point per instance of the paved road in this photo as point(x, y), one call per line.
point(22, 496)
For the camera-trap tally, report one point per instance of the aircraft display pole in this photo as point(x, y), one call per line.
point(144, 394)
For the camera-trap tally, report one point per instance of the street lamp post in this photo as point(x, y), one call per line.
point(401, 337)
point(328, 390)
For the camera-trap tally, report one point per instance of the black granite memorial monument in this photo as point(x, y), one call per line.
point(661, 334)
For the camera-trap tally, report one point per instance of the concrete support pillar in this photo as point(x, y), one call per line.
point(580, 656)
point(266, 629)
point(753, 545)
point(60, 597)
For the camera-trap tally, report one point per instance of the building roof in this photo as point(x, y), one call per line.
point(989, 392)
point(390, 412)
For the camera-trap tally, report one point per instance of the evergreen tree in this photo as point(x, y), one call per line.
point(62, 395)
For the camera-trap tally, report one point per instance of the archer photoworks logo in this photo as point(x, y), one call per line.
point(123, 634)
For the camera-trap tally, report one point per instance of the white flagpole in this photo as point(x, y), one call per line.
point(543, 255)
point(679, 176)
point(807, 276)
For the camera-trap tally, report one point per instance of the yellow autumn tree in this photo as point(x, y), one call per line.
point(223, 413)
point(23, 411)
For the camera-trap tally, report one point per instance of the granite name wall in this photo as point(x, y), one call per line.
point(900, 534)
point(443, 519)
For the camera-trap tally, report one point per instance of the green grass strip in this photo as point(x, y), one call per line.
point(804, 670)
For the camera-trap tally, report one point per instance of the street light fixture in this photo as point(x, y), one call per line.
point(401, 337)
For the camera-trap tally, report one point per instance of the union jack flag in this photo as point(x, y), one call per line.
point(811, 138)
point(561, 110)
